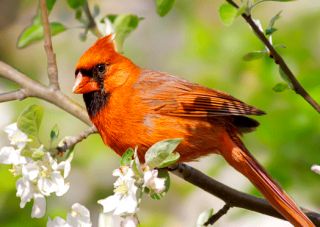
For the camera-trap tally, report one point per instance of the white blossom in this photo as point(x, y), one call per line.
point(27, 191)
point(152, 181)
point(124, 201)
point(40, 174)
point(31, 170)
point(316, 169)
point(105, 220)
point(16, 136)
point(40, 178)
point(10, 155)
point(51, 179)
point(129, 221)
point(39, 206)
point(78, 217)
point(57, 222)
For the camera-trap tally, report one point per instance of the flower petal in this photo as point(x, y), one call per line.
point(57, 222)
point(60, 186)
point(9, 155)
point(31, 170)
point(127, 205)
point(316, 169)
point(153, 182)
point(159, 185)
point(16, 137)
point(130, 221)
point(65, 166)
point(46, 186)
point(39, 206)
point(106, 220)
point(110, 203)
point(79, 216)
point(25, 191)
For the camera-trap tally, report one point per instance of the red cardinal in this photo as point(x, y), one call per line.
point(131, 106)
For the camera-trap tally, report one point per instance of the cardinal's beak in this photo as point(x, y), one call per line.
point(84, 84)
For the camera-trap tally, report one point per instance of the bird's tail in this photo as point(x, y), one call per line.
point(239, 157)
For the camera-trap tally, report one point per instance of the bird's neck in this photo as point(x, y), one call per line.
point(95, 102)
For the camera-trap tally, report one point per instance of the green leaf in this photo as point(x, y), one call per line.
point(243, 9)
point(37, 18)
point(279, 46)
point(271, 29)
point(50, 4)
point(280, 87)
point(78, 14)
point(162, 173)
point(164, 6)
point(34, 33)
point(171, 159)
point(159, 152)
point(254, 55)
point(74, 4)
point(123, 25)
point(127, 157)
point(204, 217)
point(285, 77)
point(227, 13)
point(30, 119)
point(54, 133)
point(111, 17)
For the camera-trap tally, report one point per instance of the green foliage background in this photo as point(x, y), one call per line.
point(190, 42)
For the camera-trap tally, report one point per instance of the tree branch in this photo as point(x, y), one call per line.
point(13, 95)
point(33, 88)
point(92, 26)
point(296, 86)
point(51, 56)
point(214, 218)
point(229, 195)
point(71, 141)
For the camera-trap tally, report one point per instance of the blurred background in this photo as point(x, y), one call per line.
point(190, 42)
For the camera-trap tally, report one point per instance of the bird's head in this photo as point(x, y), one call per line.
point(101, 68)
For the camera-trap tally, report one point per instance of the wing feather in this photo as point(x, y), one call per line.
point(170, 95)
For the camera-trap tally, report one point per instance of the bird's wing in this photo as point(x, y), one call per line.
point(170, 95)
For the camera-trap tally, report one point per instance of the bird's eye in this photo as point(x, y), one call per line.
point(101, 68)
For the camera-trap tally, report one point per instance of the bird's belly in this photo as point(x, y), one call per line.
point(199, 137)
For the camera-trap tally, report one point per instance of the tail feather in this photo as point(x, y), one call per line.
point(239, 157)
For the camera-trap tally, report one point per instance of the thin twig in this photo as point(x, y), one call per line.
point(214, 218)
point(297, 87)
point(51, 56)
point(13, 95)
point(229, 195)
point(92, 26)
point(71, 141)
